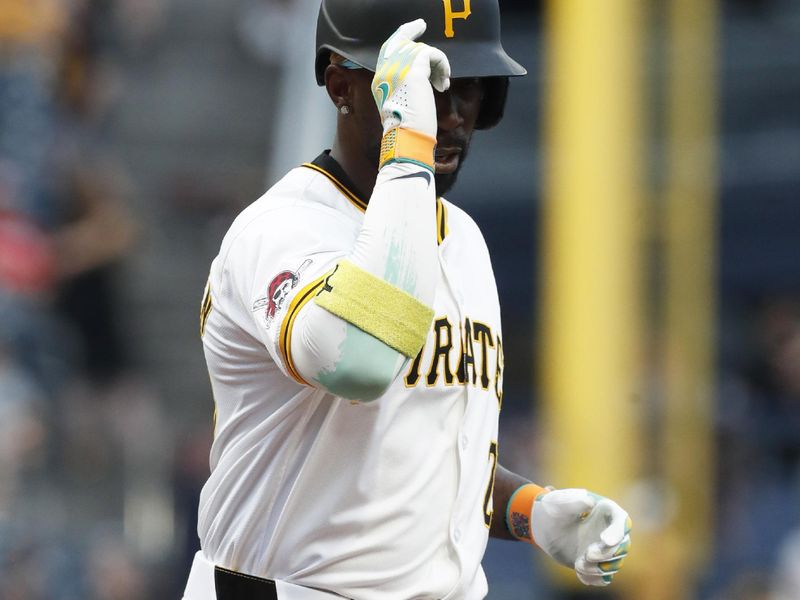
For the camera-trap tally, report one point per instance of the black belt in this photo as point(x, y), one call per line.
point(231, 585)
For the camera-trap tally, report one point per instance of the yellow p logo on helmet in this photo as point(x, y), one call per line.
point(450, 16)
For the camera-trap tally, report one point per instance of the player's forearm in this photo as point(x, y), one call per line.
point(397, 242)
point(505, 484)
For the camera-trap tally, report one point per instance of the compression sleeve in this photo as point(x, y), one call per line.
point(397, 247)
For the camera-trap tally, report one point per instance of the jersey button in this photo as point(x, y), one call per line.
point(464, 441)
point(457, 535)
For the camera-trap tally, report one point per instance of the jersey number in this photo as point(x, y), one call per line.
point(488, 509)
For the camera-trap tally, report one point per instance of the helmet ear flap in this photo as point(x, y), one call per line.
point(494, 102)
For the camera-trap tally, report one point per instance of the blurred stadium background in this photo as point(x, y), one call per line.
point(641, 201)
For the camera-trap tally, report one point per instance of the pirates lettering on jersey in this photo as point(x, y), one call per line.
point(443, 336)
point(480, 358)
point(483, 334)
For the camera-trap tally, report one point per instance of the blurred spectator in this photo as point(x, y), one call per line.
point(95, 230)
point(759, 442)
point(96, 233)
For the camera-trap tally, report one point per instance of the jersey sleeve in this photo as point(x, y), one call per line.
point(274, 265)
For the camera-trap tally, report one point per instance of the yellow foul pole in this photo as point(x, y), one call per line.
point(592, 251)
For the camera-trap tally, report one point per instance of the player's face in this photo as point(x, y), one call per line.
point(457, 110)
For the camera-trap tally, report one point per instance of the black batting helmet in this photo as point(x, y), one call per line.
point(467, 31)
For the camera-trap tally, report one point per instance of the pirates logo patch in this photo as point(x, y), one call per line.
point(278, 292)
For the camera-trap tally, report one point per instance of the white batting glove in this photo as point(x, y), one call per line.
point(583, 531)
point(405, 72)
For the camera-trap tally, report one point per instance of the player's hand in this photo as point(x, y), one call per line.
point(583, 531)
point(405, 72)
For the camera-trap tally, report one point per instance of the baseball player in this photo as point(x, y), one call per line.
point(352, 332)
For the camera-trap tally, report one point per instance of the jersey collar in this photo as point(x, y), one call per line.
point(328, 166)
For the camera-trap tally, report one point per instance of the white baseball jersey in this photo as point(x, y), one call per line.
point(385, 500)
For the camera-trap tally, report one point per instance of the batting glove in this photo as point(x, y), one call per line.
point(583, 531)
point(405, 72)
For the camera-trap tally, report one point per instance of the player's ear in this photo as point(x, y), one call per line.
point(338, 83)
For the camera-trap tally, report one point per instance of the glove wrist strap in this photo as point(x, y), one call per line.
point(407, 145)
point(519, 509)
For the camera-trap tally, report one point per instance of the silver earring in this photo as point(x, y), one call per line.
point(344, 109)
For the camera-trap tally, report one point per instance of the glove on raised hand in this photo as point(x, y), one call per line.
point(583, 531)
point(404, 74)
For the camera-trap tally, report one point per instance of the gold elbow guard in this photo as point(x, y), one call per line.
point(385, 312)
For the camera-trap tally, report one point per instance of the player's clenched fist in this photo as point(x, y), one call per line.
point(584, 531)
point(404, 74)
point(579, 529)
